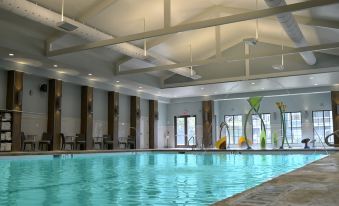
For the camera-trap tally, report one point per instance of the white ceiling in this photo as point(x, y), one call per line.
point(125, 17)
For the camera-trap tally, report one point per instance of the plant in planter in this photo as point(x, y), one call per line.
point(275, 139)
point(255, 106)
point(282, 109)
point(262, 139)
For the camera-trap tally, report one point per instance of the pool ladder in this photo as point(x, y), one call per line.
point(196, 140)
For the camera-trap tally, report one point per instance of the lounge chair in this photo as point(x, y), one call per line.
point(131, 142)
point(46, 140)
point(67, 141)
point(108, 141)
point(80, 140)
point(97, 141)
point(25, 140)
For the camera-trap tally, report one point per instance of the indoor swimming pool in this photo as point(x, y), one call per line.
point(139, 178)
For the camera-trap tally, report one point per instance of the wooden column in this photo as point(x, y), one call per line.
point(113, 117)
point(335, 116)
point(153, 123)
point(207, 117)
point(135, 119)
point(54, 112)
point(87, 115)
point(14, 103)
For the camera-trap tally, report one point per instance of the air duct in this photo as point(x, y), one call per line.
point(292, 29)
point(50, 18)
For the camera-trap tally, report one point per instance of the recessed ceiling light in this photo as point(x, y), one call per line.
point(205, 95)
point(253, 83)
point(10, 54)
point(55, 65)
point(315, 84)
point(139, 90)
point(202, 88)
point(140, 87)
point(90, 74)
point(262, 88)
point(311, 77)
point(92, 79)
point(61, 72)
point(117, 81)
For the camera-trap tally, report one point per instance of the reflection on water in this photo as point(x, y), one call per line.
point(138, 179)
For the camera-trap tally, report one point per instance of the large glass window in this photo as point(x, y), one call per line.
point(322, 124)
point(293, 126)
point(235, 125)
point(257, 127)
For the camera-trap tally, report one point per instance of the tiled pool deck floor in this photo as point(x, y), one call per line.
point(313, 185)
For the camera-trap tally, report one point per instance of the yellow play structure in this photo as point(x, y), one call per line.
point(221, 143)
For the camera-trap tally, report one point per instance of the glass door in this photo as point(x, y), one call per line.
point(185, 131)
point(181, 131)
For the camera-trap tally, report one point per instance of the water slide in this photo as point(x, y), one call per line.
point(221, 143)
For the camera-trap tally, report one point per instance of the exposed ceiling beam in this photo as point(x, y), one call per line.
point(252, 77)
point(167, 13)
point(87, 14)
point(158, 40)
point(96, 9)
point(300, 19)
point(197, 25)
point(226, 59)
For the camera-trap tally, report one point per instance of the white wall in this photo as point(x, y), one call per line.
point(144, 125)
point(161, 142)
point(124, 115)
point(100, 112)
point(34, 106)
point(3, 88)
point(70, 109)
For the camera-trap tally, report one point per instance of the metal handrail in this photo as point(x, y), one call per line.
point(335, 135)
point(322, 143)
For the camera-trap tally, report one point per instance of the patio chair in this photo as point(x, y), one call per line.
point(131, 142)
point(108, 141)
point(98, 141)
point(67, 141)
point(27, 141)
point(46, 140)
point(80, 141)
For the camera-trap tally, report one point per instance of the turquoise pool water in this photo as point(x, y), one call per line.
point(138, 178)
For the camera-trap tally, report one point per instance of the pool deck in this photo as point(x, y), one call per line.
point(312, 185)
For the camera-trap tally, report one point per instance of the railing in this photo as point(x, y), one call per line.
point(322, 143)
point(335, 135)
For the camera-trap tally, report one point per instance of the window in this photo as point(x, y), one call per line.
point(293, 126)
point(257, 127)
point(322, 125)
point(235, 125)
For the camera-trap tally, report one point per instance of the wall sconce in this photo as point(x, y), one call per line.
point(90, 108)
point(138, 113)
point(116, 110)
point(156, 115)
point(58, 103)
point(18, 99)
point(306, 113)
point(205, 116)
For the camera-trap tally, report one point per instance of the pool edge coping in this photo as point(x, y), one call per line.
point(228, 200)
